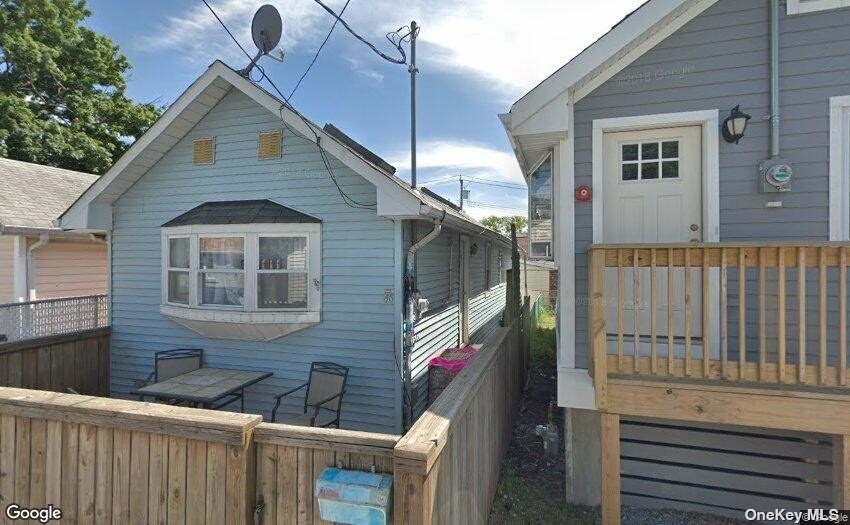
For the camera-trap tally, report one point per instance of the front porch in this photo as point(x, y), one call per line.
point(729, 334)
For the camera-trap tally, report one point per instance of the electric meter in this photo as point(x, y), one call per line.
point(776, 176)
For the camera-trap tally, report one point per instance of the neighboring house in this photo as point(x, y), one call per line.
point(637, 118)
point(38, 260)
point(232, 231)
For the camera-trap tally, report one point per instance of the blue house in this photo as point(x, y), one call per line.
point(238, 226)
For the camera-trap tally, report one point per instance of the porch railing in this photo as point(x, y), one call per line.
point(47, 317)
point(757, 313)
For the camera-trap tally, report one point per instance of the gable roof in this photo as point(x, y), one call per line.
point(633, 36)
point(396, 199)
point(241, 212)
point(34, 196)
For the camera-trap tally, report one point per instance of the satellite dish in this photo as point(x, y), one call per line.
point(266, 28)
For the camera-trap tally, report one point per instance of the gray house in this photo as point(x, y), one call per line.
point(633, 142)
point(237, 226)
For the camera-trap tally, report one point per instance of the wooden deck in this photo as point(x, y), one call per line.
point(737, 334)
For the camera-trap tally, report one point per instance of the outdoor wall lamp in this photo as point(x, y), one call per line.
point(735, 125)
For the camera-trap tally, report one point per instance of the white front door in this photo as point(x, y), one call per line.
point(653, 194)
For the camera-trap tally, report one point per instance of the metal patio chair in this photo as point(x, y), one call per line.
point(172, 363)
point(323, 399)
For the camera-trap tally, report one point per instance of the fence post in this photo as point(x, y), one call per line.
point(597, 325)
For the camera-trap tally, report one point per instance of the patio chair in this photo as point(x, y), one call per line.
point(325, 389)
point(172, 363)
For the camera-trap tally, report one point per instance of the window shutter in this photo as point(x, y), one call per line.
point(269, 145)
point(203, 151)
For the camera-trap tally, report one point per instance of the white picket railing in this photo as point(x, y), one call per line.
point(42, 318)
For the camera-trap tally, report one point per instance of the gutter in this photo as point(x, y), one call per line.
point(411, 296)
point(43, 240)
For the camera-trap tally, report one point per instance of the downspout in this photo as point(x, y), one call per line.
point(774, 79)
point(43, 239)
point(411, 296)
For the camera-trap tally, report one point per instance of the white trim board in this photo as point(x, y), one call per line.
point(638, 33)
point(839, 168)
point(799, 7)
point(575, 388)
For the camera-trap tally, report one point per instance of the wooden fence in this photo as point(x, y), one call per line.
point(447, 466)
point(78, 360)
point(105, 460)
point(100, 459)
point(290, 459)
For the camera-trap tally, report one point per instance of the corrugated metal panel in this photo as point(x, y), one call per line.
point(723, 470)
point(358, 265)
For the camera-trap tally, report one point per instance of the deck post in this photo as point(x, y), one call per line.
point(841, 471)
point(597, 317)
point(610, 475)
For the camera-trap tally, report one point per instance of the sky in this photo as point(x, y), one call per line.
point(475, 58)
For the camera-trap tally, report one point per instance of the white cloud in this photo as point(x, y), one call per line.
point(365, 72)
point(506, 45)
point(450, 157)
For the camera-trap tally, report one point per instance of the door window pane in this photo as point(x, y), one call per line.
point(222, 288)
point(649, 171)
point(178, 252)
point(222, 253)
point(283, 253)
point(630, 172)
point(178, 287)
point(649, 151)
point(670, 169)
point(630, 152)
point(282, 290)
point(670, 150)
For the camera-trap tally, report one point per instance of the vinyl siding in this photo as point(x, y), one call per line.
point(717, 61)
point(439, 328)
point(67, 269)
point(724, 54)
point(358, 265)
point(7, 269)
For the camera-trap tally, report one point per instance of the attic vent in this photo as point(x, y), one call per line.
point(269, 145)
point(203, 151)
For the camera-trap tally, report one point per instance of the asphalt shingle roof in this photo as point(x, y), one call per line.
point(32, 195)
point(240, 212)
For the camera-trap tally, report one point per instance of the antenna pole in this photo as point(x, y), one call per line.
point(461, 192)
point(414, 29)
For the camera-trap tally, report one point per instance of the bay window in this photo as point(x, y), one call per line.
point(249, 268)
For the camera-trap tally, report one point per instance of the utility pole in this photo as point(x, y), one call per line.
point(414, 29)
point(461, 192)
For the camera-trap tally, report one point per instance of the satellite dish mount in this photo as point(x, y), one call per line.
point(266, 30)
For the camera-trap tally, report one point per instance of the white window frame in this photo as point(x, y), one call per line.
point(550, 256)
point(839, 168)
point(249, 312)
point(799, 7)
point(167, 268)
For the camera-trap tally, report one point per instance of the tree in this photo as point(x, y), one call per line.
point(62, 88)
point(503, 224)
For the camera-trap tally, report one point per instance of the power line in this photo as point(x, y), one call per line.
point(395, 38)
point(316, 56)
point(500, 185)
point(347, 199)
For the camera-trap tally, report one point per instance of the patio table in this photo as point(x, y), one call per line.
point(205, 386)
